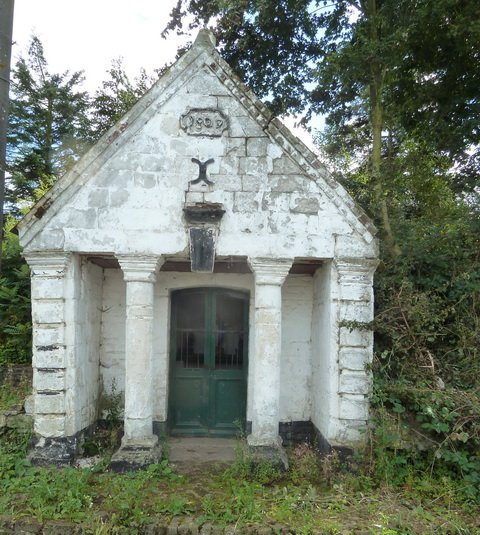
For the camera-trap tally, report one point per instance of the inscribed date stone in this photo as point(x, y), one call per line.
point(204, 122)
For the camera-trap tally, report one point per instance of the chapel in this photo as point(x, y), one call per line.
point(200, 261)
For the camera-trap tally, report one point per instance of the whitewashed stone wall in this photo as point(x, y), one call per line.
point(296, 353)
point(324, 351)
point(296, 365)
point(87, 369)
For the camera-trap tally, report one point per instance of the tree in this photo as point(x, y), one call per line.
point(48, 125)
point(116, 96)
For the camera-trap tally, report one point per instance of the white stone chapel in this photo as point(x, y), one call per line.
point(200, 260)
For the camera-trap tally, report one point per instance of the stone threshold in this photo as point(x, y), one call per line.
point(177, 526)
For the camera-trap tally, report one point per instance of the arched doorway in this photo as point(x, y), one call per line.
point(208, 361)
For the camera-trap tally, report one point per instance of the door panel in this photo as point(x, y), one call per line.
point(229, 394)
point(209, 340)
point(190, 401)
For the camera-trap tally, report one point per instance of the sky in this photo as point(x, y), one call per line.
point(89, 34)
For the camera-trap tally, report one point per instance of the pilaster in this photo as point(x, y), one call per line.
point(355, 337)
point(48, 274)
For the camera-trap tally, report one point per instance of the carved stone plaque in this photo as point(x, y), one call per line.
point(204, 122)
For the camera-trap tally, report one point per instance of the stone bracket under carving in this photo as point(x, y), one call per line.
point(203, 212)
point(202, 221)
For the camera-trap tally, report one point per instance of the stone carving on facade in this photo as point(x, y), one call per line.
point(202, 172)
point(204, 122)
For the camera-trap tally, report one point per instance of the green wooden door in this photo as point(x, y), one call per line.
point(209, 341)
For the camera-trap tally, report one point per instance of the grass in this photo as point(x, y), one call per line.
point(314, 495)
point(13, 395)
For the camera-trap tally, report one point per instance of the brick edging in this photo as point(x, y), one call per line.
point(177, 526)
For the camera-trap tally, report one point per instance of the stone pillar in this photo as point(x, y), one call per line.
point(139, 273)
point(355, 312)
point(49, 316)
point(269, 276)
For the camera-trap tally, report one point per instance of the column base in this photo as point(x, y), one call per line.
point(59, 451)
point(270, 452)
point(274, 455)
point(135, 454)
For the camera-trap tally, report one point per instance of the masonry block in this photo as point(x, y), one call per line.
point(355, 292)
point(354, 358)
point(304, 205)
point(48, 310)
point(354, 383)
point(49, 334)
point(356, 311)
point(245, 202)
point(49, 379)
point(353, 407)
point(48, 288)
point(257, 146)
point(50, 425)
point(51, 356)
point(51, 403)
point(356, 337)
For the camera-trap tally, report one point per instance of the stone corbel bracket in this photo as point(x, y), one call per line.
point(202, 221)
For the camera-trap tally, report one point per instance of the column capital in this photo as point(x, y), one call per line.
point(355, 270)
point(270, 270)
point(48, 263)
point(139, 268)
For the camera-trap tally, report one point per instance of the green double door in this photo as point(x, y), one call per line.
point(208, 367)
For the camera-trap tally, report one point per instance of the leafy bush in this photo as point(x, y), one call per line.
point(15, 315)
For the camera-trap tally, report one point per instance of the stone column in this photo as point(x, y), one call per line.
point(139, 273)
point(269, 276)
point(355, 312)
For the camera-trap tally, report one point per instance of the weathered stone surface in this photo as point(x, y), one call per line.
point(7, 525)
point(61, 527)
point(134, 456)
point(172, 528)
point(50, 425)
point(27, 526)
point(50, 402)
point(188, 527)
point(304, 205)
point(22, 422)
point(59, 451)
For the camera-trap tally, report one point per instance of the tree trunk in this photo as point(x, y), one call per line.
point(377, 74)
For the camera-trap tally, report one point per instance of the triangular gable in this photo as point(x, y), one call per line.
point(202, 54)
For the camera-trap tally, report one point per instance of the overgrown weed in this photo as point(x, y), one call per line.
point(13, 395)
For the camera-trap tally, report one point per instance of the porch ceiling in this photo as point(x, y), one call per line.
point(301, 266)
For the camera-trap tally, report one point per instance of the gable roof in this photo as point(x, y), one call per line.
point(202, 54)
